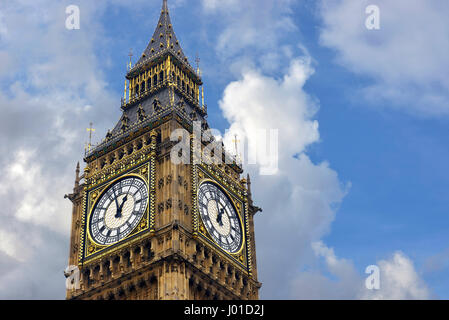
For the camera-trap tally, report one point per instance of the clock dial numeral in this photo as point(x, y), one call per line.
point(118, 211)
point(220, 217)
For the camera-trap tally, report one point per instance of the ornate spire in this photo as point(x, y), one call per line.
point(77, 177)
point(164, 39)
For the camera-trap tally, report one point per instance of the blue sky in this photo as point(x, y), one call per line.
point(367, 185)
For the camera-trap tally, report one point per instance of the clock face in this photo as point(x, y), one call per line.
point(220, 217)
point(118, 211)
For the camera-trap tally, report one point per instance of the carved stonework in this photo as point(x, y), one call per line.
point(157, 105)
point(169, 252)
point(125, 122)
point(141, 115)
point(168, 204)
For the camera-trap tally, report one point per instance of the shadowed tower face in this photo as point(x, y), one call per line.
point(144, 227)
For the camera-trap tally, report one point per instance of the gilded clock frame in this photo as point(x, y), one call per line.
point(238, 212)
point(90, 250)
point(239, 198)
point(98, 197)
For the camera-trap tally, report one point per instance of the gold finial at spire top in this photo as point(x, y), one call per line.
point(198, 60)
point(130, 55)
point(124, 94)
point(77, 172)
point(90, 130)
point(236, 141)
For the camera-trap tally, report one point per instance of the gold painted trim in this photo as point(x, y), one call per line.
point(87, 226)
point(235, 208)
point(82, 227)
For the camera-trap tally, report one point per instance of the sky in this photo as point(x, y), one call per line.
point(362, 118)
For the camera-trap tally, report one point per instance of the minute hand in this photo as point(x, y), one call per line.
point(115, 198)
point(219, 212)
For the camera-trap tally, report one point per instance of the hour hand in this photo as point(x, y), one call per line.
point(123, 202)
point(119, 209)
point(219, 217)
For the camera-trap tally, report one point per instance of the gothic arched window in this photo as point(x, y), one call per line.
point(155, 80)
point(161, 77)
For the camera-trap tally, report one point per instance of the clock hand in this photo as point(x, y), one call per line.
point(220, 217)
point(218, 210)
point(119, 210)
point(123, 202)
point(115, 198)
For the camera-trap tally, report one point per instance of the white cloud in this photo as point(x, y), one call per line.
point(398, 281)
point(300, 201)
point(260, 102)
point(25, 177)
point(250, 32)
point(405, 59)
point(44, 103)
point(10, 245)
point(344, 281)
point(220, 4)
point(303, 205)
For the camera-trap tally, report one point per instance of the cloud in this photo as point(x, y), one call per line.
point(250, 33)
point(25, 177)
point(403, 60)
point(261, 102)
point(39, 275)
point(10, 245)
point(213, 5)
point(51, 89)
point(399, 281)
point(300, 200)
point(339, 278)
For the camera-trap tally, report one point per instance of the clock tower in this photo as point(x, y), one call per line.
point(147, 227)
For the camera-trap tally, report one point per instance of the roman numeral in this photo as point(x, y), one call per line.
point(138, 190)
point(97, 220)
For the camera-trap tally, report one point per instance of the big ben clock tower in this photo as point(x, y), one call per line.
point(144, 227)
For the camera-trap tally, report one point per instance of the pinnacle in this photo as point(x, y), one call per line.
point(164, 39)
